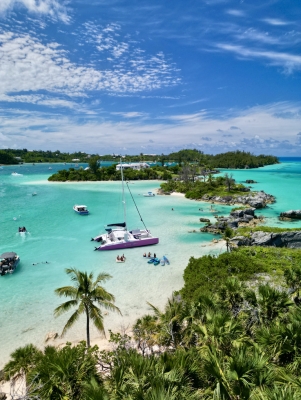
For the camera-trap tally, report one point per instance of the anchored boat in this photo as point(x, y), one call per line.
point(118, 236)
point(8, 262)
point(81, 209)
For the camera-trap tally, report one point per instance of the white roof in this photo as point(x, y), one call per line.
point(80, 206)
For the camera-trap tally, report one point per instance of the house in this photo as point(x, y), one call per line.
point(137, 166)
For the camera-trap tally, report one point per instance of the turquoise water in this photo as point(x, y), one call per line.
point(62, 238)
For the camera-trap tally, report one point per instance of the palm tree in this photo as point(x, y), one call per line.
point(22, 361)
point(169, 322)
point(64, 373)
point(269, 303)
point(84, 294)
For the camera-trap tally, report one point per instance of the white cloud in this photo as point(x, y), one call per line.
point(289, 62)
point(52, 8)
point(276, 21)
point(236, 13)
point(29, 65)
point(263, 127)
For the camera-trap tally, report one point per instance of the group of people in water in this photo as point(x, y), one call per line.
point(22, 229)
point(149, 255)
point(120, 258)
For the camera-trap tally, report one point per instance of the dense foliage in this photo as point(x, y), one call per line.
point(234, 159)
point(241, 159)
point(196, 188)
point(237, 159)
point(7, 158)
point(38, 156)
point(109, 174)
point(235, 339)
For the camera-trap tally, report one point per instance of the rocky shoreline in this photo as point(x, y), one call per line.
point(290, 239)
point(254, 199)
point(237, 218)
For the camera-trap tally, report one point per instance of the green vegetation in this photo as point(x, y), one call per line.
point(245, 230)
point(39, 156)
point(83, 295)
point(207, 274)
point(7, 158)
point(196, 189)
point(234, 159)
point(109, 174)
point(241, 159)
point(217, 339)
point(237, 159)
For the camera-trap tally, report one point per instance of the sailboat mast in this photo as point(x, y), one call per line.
point(123, 196)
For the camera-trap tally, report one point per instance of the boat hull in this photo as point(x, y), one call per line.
point(82, 212)
point(128, 245)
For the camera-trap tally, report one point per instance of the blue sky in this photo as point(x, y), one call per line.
point(138, 76)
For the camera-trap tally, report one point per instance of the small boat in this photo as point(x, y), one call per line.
point(16, 174)
point(151, 261)
point(120, 260)
point(34, 193)
point(8, 262)
point(81, 209)
point(162, 262)
point(149, 194)
point(49, 168)
point(156, 261)
point(166, 260)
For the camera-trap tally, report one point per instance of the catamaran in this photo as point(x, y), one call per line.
point(118, 236)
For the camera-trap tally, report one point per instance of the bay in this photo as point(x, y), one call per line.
point(61, 238)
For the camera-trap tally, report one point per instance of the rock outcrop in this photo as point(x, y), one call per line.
point(235, 219)
point(290, 239)
point(291, 214)
point(254, 199)
point(250, 181)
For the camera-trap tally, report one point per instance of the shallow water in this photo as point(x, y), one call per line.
point(62, 238)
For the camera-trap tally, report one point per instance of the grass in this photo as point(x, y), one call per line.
point(246, 231)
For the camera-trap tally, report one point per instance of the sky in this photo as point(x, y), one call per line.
point(151, 76)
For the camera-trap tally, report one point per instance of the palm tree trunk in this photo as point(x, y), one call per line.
point(88, 327)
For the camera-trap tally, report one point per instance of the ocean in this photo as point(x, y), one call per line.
point(58, 238)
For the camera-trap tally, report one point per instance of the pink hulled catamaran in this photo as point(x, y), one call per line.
point(117, 235)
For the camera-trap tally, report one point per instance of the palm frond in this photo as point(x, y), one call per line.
point(64, 307)
point(67, 291)
point(74, 317)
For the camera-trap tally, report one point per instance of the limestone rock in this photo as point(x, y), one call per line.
point(291, 214)
point(290, 239)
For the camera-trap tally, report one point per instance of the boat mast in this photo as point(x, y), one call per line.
point(123, 196)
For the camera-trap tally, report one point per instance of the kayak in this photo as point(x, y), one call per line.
point(166, 260)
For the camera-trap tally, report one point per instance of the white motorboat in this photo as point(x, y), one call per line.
point(149, 194)
point(118, 236)
point(81, 209)
point(8, 262)
point(16, 174)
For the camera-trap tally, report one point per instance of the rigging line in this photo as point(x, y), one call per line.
point(136, 206)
